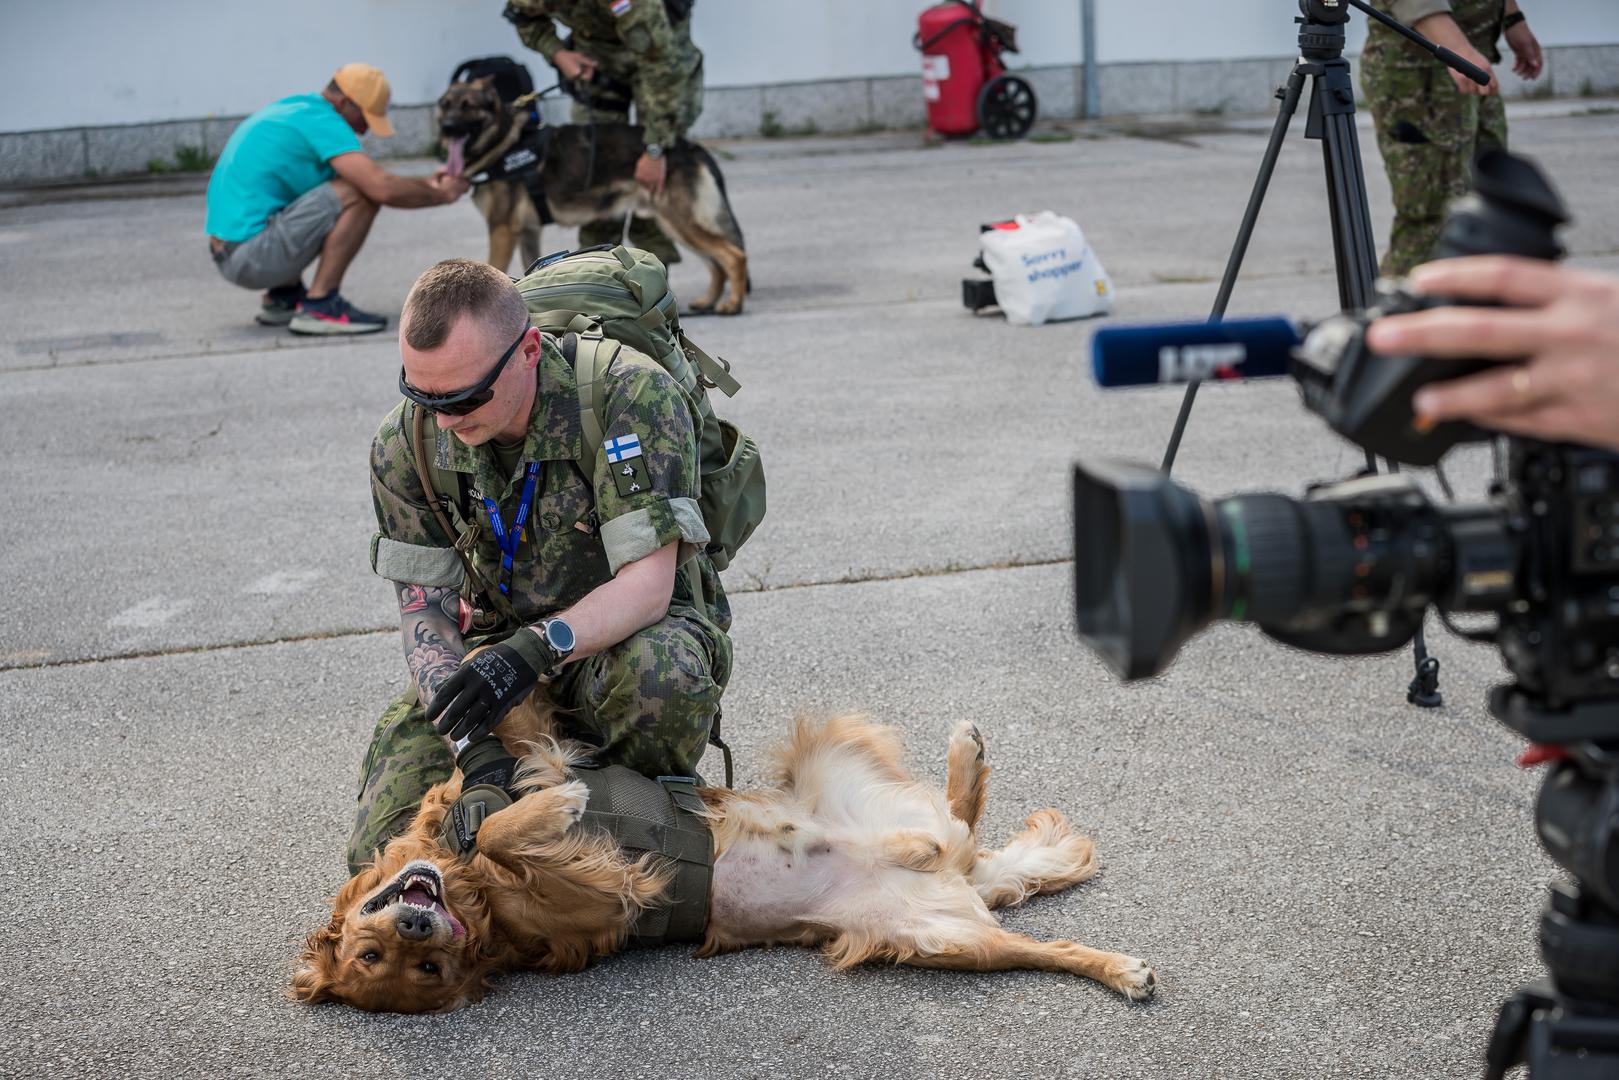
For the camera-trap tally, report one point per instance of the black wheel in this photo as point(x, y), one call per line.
point(1006, 107)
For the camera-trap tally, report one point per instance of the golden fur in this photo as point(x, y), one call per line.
point(842, 850)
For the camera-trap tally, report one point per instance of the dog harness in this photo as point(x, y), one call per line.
point(662, 817)
point(521, 162)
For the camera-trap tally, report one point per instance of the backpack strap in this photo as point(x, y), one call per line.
point(572, 322)
point(462, 540)
point(585, 349)
point(716, 373)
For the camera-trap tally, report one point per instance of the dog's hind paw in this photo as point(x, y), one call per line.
point(967, 731)
point(1133, 978)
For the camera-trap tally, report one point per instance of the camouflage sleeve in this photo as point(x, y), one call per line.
point(408, 547)
point(646, 475)
point(661, 69)
point(1410, 11)
point(535, 28)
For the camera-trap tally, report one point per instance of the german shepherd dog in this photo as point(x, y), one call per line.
point(587, 173)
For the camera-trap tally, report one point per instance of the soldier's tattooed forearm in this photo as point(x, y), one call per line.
point(432, 635)
point(415, 598)
point(431, 661)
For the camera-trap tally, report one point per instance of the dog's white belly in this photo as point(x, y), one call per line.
point(762, 891)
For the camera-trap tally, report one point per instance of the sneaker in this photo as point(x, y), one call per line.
point(333, 315)
point(279, 305)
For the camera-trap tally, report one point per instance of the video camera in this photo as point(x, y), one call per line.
point(1353, 566)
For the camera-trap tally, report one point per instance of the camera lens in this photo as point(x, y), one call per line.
point(1348, 570)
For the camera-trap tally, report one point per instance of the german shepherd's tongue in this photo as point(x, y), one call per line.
point(458, 160)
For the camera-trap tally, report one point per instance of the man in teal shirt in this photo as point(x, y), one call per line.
point(292, 184)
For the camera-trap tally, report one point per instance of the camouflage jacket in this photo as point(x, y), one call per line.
point(632, 41)
point(1479, 20)
point(580, 531)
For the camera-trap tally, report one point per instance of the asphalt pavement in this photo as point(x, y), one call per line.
point(193, 650)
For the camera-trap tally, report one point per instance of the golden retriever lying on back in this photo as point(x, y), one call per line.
point(843, 850)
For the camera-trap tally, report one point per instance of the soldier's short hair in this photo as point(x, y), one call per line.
point(457, 287)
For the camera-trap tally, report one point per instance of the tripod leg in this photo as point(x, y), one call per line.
point(1290, 95)
point(1332, 119)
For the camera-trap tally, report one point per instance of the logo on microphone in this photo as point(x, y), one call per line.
point(1214, 360)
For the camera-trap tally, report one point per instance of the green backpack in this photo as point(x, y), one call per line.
point(618, 294)
point(606, 297)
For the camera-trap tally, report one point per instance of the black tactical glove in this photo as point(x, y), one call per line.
point(484, 689)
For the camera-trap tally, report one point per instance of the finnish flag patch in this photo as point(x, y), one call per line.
point(623, 448)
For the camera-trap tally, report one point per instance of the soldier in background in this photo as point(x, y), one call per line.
point(620, 52)
point(1430, 119)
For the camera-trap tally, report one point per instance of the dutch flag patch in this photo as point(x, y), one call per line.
point(625, 446)
point(620, 7)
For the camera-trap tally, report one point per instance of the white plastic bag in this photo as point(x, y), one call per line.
point(1044, 270)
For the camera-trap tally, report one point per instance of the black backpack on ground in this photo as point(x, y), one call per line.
point(512, 79)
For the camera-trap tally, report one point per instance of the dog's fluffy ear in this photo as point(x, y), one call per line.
point(312, 982)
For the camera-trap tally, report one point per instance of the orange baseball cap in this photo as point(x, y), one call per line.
point(368, 88)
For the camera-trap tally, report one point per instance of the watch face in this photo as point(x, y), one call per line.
point(560, 636)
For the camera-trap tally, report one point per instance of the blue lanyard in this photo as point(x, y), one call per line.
point(508, 540)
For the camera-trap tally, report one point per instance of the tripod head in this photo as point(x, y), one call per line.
point(1322, 35)
point(1326, 12)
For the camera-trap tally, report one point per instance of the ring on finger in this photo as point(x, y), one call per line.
point(1521, 384)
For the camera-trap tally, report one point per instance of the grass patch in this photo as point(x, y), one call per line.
point(193, 159)
point(1600, 110)
point(770, 125)
point(1052, 137)
point(187, 159)
point(1181, 279)
point(1539, 91)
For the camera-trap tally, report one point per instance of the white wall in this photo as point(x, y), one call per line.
point(77, 63)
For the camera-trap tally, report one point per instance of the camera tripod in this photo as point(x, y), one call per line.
point(1331, 120)
point(1567, 1027)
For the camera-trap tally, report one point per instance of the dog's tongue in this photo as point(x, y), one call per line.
point(458, 161)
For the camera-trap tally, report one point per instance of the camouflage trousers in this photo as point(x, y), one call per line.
point(1428, 132)
point(647, 702)
point(645, 233)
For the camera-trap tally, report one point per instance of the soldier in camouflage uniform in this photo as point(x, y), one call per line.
point(620, 52)
point(1430, 120)
point(599, 553)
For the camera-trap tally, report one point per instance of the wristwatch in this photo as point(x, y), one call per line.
point(557, 637)
point(654, 150)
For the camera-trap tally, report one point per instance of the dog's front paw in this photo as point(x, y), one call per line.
point(1133, 978)
point(570, 799)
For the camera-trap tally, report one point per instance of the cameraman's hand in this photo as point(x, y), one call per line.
point(1562, 324)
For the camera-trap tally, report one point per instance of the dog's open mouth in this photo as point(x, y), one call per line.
point(418, 885)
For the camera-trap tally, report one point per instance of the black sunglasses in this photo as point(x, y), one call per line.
point(461, 402)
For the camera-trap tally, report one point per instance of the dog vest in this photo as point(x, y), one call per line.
point(521, 162)
point(662, 817)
